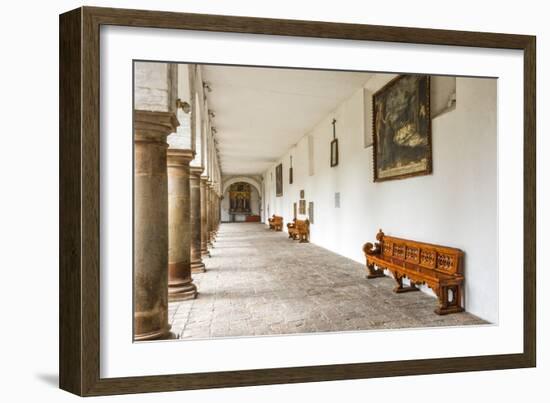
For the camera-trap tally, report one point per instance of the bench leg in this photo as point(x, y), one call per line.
point(450, 299)
point(373, 272)
point(400, 289)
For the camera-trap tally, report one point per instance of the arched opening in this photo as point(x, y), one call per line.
point(241, 203)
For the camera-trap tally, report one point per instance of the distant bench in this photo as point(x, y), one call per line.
point(439, 267)
point(299, 229)
point(276, 223)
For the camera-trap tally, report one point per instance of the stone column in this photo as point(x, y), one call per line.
point(197, 266)
point(210, 212)
point(217, 218)
point(180, 283)
point(204, 219)
point(219, 210)
point(215, 211)
point(151, 224)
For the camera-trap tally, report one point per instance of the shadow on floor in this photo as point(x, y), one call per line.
point(49, 379)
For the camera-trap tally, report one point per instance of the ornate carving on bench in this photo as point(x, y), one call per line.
point(275, 223)
point(373, 250)
point(299, 229)
point(437, 266)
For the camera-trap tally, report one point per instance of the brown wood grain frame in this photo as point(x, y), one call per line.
point(79, 320)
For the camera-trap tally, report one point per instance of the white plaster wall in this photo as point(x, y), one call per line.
point(254, 204)
point(455, 206)
point(182, 138)
point(154, 86)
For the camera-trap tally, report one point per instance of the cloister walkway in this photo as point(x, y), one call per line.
point(259, 282)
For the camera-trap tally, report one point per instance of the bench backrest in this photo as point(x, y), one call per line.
point(443, 259)
point(302, 225)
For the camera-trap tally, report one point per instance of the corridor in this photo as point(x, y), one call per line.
point(222, 150)
point(259, 282)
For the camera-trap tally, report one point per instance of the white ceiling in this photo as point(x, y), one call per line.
point(262, 112)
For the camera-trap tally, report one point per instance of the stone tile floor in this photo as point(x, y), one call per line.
point(306, 288)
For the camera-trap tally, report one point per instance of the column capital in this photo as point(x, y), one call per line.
point(178, 157)
point(152, 126)
point(196, 171)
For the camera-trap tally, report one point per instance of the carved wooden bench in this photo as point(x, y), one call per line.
point(299, 229)
point(291, 227)
point(276, 223)
point(439, 267)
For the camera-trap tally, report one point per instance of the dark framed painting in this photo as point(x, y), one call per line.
point(302, 207)
point(295, 211)
point(290, 175)
point(402, 128)
point(90, 367)
point(302, 194)
point(334, 153)
point(279, 180)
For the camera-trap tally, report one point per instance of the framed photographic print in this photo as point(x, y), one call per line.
point(310, 214)
point(402, 128)
point(151, 177)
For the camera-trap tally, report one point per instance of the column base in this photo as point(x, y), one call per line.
point(198, 267)
point(182, 291)
point(161, 334)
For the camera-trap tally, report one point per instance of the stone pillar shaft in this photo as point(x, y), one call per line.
point(197, 266)
point(216, 213)
point(204, 217)
point(210, 213)
point(180, 283)
point(151, 224)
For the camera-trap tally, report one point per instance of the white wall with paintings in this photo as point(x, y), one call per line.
point(455, 206)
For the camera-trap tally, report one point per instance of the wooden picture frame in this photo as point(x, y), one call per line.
point(385, 150)
point(290, 175)
point(79, 276)
point(279, 180)
point(334, 153)
point(302, 207)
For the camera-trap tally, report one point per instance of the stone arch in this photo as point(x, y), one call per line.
point(246, 179)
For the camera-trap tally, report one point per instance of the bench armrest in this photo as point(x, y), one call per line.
point(370, 249)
